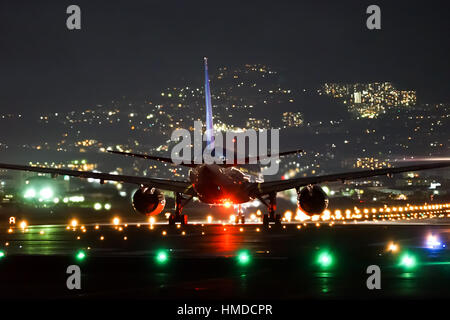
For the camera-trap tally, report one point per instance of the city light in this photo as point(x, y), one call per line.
point(46, 193)
point(433, 242)
point(116, 221)
point(23, 224)
point(392, 247)
point(30, 193)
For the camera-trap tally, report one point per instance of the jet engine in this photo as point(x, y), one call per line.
point(312, 199)
point(149, 201)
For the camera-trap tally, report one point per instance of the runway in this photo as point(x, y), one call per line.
point(217, 261)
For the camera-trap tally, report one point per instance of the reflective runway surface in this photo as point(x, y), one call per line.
point(213, 261)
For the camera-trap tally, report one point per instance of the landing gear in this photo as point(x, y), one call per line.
point(240, 215)
point(177, 216)
point(271, 216)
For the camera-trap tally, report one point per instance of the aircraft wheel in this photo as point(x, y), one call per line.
point(266, 220)
point(278, 218)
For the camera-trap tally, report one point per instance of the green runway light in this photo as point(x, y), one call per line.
point(162, 257)
point(408, 261)
point(243, 258)
point(325, 259)
point(2, 254)
point(80, 255)
point(97, 206)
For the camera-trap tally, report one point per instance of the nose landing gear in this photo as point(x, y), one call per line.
point(177, 216)
point(240, 215)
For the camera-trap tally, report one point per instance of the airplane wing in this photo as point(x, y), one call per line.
point(149, 157)
point(257, 159)
point(263, 188)
point(170, 185)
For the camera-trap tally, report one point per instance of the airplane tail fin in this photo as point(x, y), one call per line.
point(209, 118)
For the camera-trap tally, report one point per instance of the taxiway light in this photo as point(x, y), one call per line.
point(116, 221)
point(162, 256)
point(243, 258)
point(107, 206)
point(325, 259)
point(81, 255)
point(2, 254)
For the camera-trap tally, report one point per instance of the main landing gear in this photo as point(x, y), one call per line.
point(240, 216)
point(271, 216)
point(180, 202)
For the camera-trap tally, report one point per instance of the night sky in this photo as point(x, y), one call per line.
point(134, 48)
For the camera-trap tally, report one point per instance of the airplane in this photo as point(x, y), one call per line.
point(217, 184)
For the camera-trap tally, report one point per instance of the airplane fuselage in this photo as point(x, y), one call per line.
point(220, 185)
